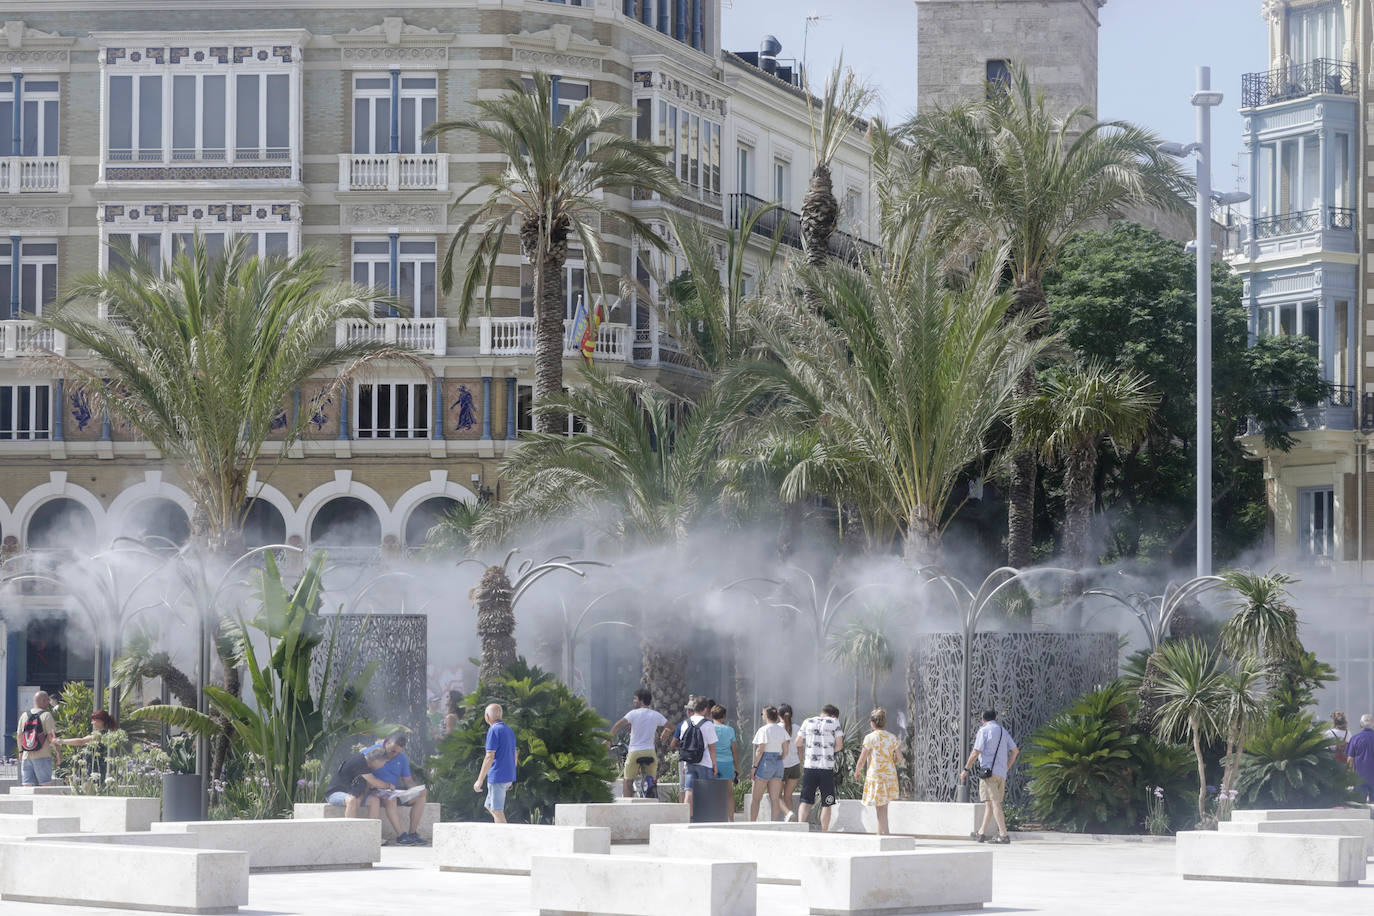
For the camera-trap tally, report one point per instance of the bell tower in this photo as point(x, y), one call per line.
point(962, 44)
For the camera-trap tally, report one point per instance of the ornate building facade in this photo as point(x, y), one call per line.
point(300, 125)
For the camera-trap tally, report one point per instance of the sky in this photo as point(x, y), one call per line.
point(1148, 55)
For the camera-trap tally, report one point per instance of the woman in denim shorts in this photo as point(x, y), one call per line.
point(768, 746)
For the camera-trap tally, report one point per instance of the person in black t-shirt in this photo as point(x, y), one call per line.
point(354, 780)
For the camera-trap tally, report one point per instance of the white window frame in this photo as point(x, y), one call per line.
point(695, 148)
point(423, 253)
point(169, 243)
point(745, 156)
point(373, 262)
point(408, 91)
point(34, 261)
point(36, 426)
point(391, 391)
point(782, 182)
point(524, 415)
point(47, 108)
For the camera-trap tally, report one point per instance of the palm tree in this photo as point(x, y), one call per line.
point(204, 359)
point(1243, 698)
point(555, 186)
point(1070, 412)
point(1192, 700)
point(1265, 623)
point(495, 623)
point(903, 377)
point(832, 118)
point(1004, 169)
point(863, 646)
point(645, 472)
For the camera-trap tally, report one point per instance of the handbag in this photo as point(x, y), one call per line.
point(985, 772)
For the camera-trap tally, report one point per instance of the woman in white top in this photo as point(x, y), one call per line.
point(1339, 734)
point(791, 760)
point(768, 745)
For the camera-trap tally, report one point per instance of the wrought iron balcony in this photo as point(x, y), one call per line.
point(1318, 77)
point(1335, 411)
point(1340, 219)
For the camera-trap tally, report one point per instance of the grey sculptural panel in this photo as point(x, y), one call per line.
point(399, 643)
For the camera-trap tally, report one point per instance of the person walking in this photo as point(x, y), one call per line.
point(881, 754)
point(995, 753)
point(1339, 734)
point(37, 743)
point(768, 744)
point(791, 761)
point(1360, 752)
point(820, 739)
point(643, 721)
point(697, 741)
point(727, 750)
point(498, 767)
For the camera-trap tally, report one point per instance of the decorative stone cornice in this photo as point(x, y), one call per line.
point(559, 48)
point(394, 214)
point(18, 35)
point(33, 217)
point(394, 32)
point(31, 49)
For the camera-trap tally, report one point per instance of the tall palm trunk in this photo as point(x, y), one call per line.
point(1080, 466)
point(820, 215)
point(665, 672)
point(549, 252)
point(1147, 696)
point(495, 624)
point(1201, 769)
point(921, 543)
point(1028, 297)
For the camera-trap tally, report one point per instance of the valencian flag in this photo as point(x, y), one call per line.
point(584, 329)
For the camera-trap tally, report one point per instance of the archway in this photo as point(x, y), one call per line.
point(424, 517)
point(346, 521)
point(157, 518)
point(61, 523)
point(264, 524)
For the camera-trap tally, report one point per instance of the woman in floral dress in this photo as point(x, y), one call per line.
point(881, 754)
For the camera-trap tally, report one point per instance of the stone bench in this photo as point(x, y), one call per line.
point(15, 805)
point(125, 876)
point(897, 883)
point(312, 811)
point(1299, 814)
point(131, 838)
point(101, 813)
point(933, 820)
point(506, 849)
point(1360, 827)
point(781, 859)
point(658, 832)
point(583, 885)
point(290, 845)
point(27, 824)
point(40, 790)
point(627, 823)
point(1270, 858)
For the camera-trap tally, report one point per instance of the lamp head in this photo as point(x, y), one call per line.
point(1229, 198)
point(1177, 150)
point(1208, 97)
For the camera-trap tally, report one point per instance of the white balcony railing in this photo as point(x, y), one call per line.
point(35, 175)
point(27, 338)
point(393, 172)
point(428, 335)
point(515, 337)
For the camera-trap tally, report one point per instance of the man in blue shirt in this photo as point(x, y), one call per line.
point(499, 766)
point(993, 749)
point(396, 771)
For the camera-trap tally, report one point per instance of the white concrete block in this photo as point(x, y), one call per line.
point(639, 886)
point(427, 820)
point(935, 820)
point(627, 823)
point(290, 845)
point(16, 805)
point(506, 849)
point(1271, 858)
point(1299, 814)
point(781, 857)
point(1361, 827)
point(130, 838)
point(101, 813)
point(26, 824)
point(128, 877)
point(26, 791)
point(755, 826)
point(898, 883)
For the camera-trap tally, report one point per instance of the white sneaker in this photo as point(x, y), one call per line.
point(791, 816)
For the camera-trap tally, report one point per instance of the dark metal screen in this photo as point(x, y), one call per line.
point(397, 693)
point(1027, 677)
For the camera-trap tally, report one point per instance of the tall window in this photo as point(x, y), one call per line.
point(694, 151)
point(1316, 522)
point(415, 274)
point(1340, 171)
point(1316, 32)
point(782, 183)
point(37, 278)
point(212, 115)
point(25, 412)
point(524, 413)
point(392, 410)
point(419, 105)
point(998, 76)
point(744, 169)
point(160, 247)
point(1290, 319)
point(38, 116)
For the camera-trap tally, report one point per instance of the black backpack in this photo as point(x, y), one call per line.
point(692, 743)
point(33, 735)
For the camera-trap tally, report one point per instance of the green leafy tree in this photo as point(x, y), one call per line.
point(554, 185)
point(1006, 169)
point(1191, 707)
point(203, 359)
point(1072, 410)
point(560, 754)
point(1125, 297)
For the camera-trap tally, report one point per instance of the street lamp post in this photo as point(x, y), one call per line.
point(1204, 100)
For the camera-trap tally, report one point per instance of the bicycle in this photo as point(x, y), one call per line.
point(645, 785)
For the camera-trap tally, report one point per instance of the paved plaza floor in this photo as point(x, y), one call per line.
point(1119, 877)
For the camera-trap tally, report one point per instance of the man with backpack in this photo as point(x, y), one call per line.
point(696, 741)
point(37, 743)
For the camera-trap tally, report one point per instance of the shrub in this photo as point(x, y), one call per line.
point(1288, 764)
point(560, 754)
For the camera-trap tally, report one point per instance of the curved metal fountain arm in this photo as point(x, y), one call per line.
point(1172, 599)
point(593, 603)
point(77, 599)
point(832, 610)
point(466, 560)
point(740, 582)
point(256, 550)
point(539, 572)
